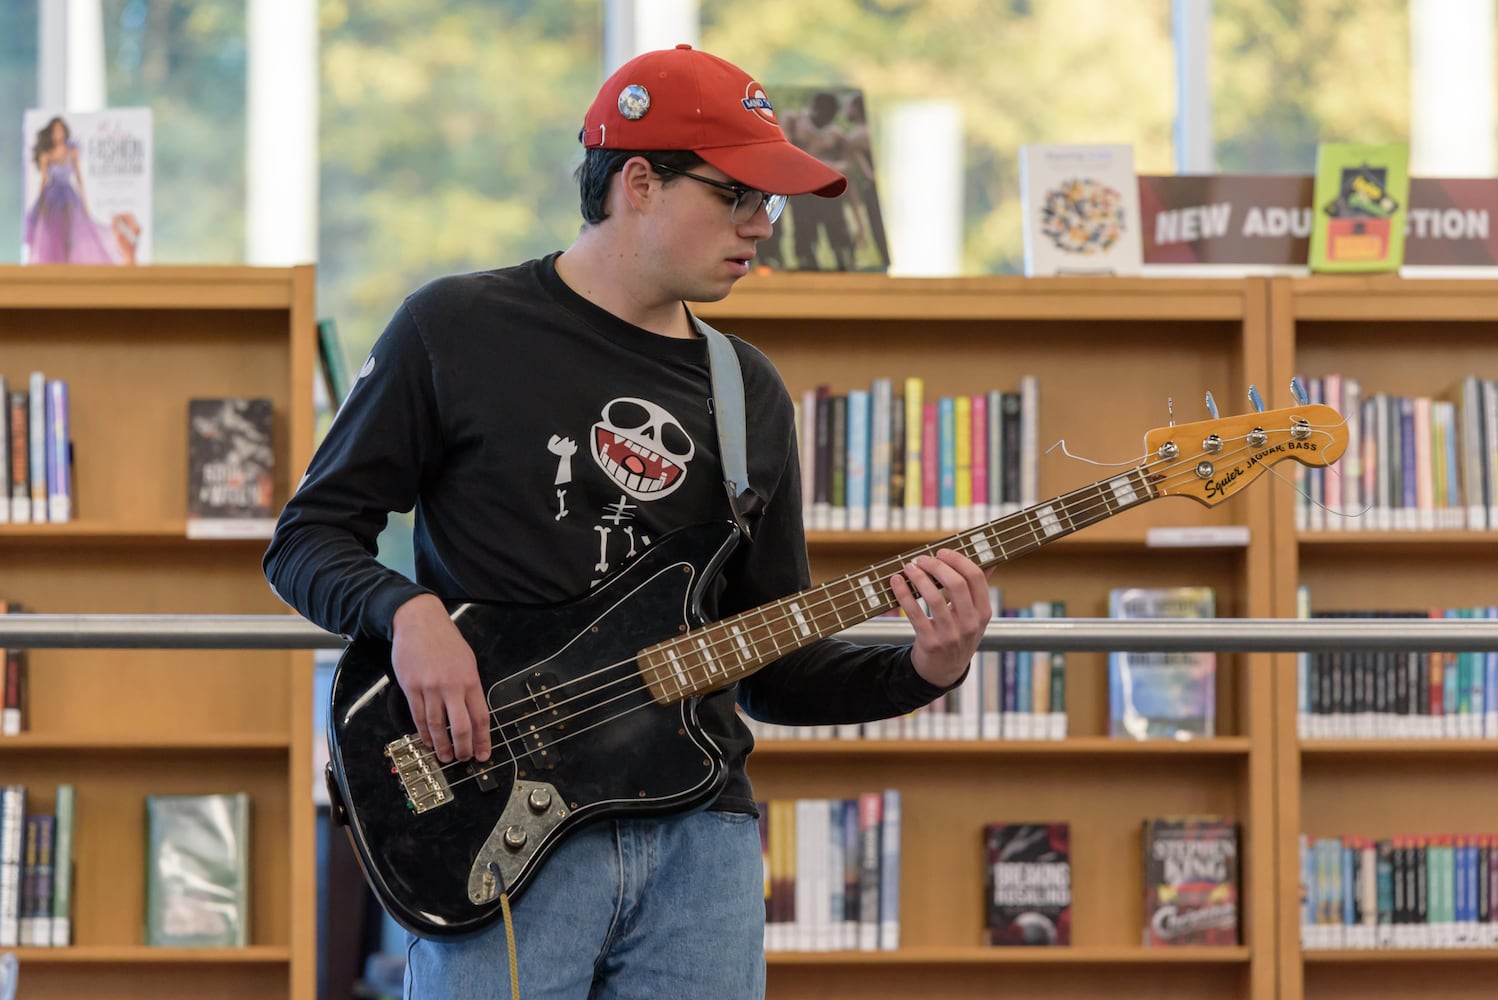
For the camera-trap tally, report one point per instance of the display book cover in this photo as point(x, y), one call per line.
point(1360, 202)
point(846, 233)
point(86, 186)
point(1154, 695)
point(230, 468)
point(1080, 209)
point(1191, 881)
point(198, 870)
point(1028, 878)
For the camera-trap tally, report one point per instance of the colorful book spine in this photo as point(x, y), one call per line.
point(59, 477)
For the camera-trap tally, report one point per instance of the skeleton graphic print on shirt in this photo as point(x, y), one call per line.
point(644, 451)
point(642, 448)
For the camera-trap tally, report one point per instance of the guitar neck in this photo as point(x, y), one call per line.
point(718, 654)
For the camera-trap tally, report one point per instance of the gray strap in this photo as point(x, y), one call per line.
point(728, 411)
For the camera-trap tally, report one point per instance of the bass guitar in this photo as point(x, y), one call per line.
point(593, 701)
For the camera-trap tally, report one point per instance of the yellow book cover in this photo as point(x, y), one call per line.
point(964, 470)
point(1361, 201)
point(915, 392)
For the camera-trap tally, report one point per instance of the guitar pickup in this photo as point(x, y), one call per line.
point(483, 775)
point(542, 725)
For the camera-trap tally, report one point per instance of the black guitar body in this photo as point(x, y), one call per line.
point(576, 738)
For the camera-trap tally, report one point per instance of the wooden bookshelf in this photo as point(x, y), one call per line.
point(1409, 337)
point(1107, 354)
point(134, 345)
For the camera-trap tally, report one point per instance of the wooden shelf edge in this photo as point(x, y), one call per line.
point(1016, 956)
point(93, 532)
point(1389, 297)
point(144, 955)
point(1346, 955)
point(1386, 748)
point(981, 297)
point(189, 286)
point(1078, 747)
point(174, 743)
point(1377, 541)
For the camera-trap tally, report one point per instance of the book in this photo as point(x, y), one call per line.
point(18, 409)
point(62, 866)
point(1080, 209)
point(1162, 695)
point(58, 444)
point(197, 870)
point(230, 471)
point(87, 186)
point(13, 690)
point(1191, 876)
point(332, 363)
point(828, 234)
point(1028, 878)
point(4, 451)
point(1361, 200)
point(12, 836)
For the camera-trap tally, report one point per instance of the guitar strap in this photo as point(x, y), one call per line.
point(728, 413)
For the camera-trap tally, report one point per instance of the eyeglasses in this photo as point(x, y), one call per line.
point(746, 200)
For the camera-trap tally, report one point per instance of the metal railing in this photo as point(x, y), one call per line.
point(38, 631)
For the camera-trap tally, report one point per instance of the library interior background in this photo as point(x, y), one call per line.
point(323, 157)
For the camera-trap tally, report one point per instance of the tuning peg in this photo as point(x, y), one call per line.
point(1255, 398)
point(1299, 391)
point(1211, 405)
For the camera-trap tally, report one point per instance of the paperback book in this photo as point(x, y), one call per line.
point(1191, 878)
point(1080, 210)
point(87, 186)
point(828, 234)
point(1162, 695)
point(1029, 883)
point(197, 870)
point(230, 462)
point(1361, 203)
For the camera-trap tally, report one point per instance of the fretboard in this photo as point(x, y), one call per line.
point(718, 654)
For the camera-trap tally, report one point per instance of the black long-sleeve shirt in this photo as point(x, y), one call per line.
point(543, 443)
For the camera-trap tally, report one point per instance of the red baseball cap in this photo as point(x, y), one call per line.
point(682, 98)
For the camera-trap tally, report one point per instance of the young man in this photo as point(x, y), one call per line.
point(549, 423)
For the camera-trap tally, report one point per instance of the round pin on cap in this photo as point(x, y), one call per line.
point(634, 101)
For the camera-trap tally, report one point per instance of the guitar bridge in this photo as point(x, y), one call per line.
point(420, 773)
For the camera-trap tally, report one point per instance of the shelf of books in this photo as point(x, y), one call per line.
point(1032, 389)
point(125, 496)
point(1385, 872)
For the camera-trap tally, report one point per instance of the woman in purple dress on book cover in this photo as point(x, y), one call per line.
point(59, 229)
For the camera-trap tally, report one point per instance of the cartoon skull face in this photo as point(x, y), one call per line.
point(642, 448)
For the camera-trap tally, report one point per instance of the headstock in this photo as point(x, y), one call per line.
point(1211, 460)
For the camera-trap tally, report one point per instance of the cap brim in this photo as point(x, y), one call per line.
point(777, 167)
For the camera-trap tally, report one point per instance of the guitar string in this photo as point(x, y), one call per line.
point(629, 675)
point(833, 599)
point(553, 742)
point(853, 587)
point(850, 582)
point(717, 646)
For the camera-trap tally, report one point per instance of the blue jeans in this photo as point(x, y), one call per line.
point(639, 909)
